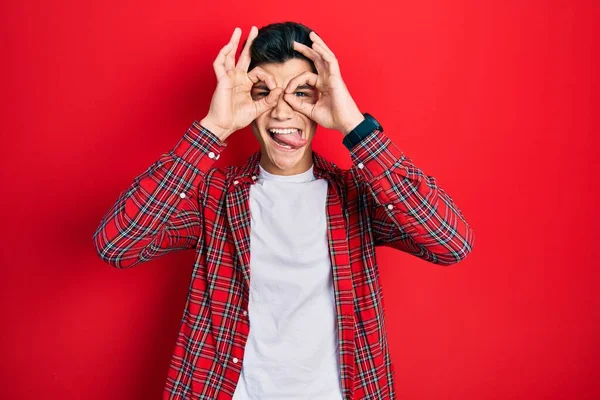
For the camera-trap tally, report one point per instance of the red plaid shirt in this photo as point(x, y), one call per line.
point(182, 202)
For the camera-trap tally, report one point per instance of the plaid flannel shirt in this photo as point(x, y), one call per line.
point(182, 202)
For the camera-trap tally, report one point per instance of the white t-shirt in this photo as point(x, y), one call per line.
point(292, 348)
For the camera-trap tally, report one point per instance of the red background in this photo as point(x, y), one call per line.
point(497, 100)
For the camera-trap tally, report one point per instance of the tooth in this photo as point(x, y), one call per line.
point(284, 131)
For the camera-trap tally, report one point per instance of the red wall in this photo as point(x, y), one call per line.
point(497, 100)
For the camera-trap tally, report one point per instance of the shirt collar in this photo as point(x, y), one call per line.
point(322, 168)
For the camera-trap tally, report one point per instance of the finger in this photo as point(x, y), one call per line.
point(323, 53)
point(329, 58)
point(235, 39)
point(317, 39)
point(244, 61)
point(311, 54)
point(266, 103)
point(260, 75)
point(305, 77)
point(299, 105)
point(219, 63)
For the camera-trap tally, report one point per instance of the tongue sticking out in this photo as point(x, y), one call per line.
point(293, 139)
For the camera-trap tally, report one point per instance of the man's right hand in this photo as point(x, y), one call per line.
point(232, 106)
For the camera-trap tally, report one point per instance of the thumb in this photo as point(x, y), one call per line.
point(268, 102)
point(299, 105)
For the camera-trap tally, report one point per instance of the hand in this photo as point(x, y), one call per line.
point(232, 106)
point(335, 108)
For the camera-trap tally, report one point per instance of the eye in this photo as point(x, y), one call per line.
point(262, 93)
point(301, 93)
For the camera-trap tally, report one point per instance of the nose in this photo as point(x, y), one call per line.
point(282, 110)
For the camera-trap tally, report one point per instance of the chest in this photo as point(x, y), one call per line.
point(289, 220)
point(296, 220)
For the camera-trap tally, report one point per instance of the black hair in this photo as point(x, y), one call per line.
point(275, 44)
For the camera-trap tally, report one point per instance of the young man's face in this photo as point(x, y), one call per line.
point(296, 156)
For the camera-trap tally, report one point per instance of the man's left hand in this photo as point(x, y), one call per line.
point(335, 108)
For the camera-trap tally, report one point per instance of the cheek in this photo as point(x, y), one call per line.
point(255, 131)
point(311, 125)
point(256, 126)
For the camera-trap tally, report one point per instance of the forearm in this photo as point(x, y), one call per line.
point(409, 202)
point(160, 211)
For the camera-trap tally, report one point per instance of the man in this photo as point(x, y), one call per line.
point(284, 301)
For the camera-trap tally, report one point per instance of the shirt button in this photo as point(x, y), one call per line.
point(182, 195)
point(235, 360)
point(361, 165)
point(254, 177)
point(236, 182)
point(390, 206)
point(245, 313)
point(211, 155)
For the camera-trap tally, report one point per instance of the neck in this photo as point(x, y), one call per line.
point(302, 166)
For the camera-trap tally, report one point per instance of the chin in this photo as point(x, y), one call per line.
point(287, 161)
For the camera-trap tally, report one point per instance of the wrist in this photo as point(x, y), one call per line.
point(352, 122)
point(221, 133)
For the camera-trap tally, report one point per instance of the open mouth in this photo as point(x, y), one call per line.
point(289, 139)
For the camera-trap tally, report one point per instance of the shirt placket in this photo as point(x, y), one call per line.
point(238, 215)
point(342, 284)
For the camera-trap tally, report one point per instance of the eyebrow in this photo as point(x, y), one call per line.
point(262, 86)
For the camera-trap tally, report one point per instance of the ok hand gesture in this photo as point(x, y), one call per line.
point(335, 108)
point(232, 107)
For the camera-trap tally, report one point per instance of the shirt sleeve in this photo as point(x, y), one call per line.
point(409, 210)
point(161, 210)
